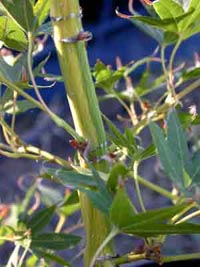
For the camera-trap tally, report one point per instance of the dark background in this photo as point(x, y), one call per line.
point(112, 36)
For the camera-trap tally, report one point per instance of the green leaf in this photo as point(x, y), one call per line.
point(49, 195)
point(41, 11)
point(187, 119)
point(5, 231)
point(45, 29)
point(195, 16)
point(11, 35)
point(70, 178)
point(41, 65)
point(148, 29)
point(102, 198)
point(196, 168)
point(21, 11)
point(118, 171)
point(168, 9)
point(170, 38)
point(71, 204)
point(116, 136)
point(17, 107)
point(177, 141)
point(105, 77)
point(89, 184)
point(54, 241)
point(190, 74)
point(150, 230)
point(13, 73)
point(148, 152)
point(51, 257)
point(167, 157)
point(7, 71)
point(155, 216)
point(167, 24)
point(122, 211)
point(40, 219)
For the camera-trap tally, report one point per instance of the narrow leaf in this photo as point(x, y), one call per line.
point(88, 184)
point(122, 211)
point(51, 257)
point(70, 178)
point(40, 219)
point(54, 241)
point(167, 157)
point(150, 230)
point(177, 141)
point(155, 216)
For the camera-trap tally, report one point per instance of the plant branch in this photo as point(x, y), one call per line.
point(137, 186)
point(182, 257)
point(170, 67)
point(154, 187)
point(58, 121)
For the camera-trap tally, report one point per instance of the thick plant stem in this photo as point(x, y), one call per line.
point(84, 108)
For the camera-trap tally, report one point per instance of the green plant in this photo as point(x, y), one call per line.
point(103, 162)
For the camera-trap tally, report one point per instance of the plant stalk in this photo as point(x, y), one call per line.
point(84, 108)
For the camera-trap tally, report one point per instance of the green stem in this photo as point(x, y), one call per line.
point(189, 217)
point(159, 113)
point(154, 187)
point(188, 89)
point(23, 150)
point(137, 186)
point(85, 111)
point(130, 257)
point(139, 63)
point(58, 121)
point(182, 257)
point(163, 60)
point(180, 214)
point(29, 64)
point(110, 236)
point(170, 67)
